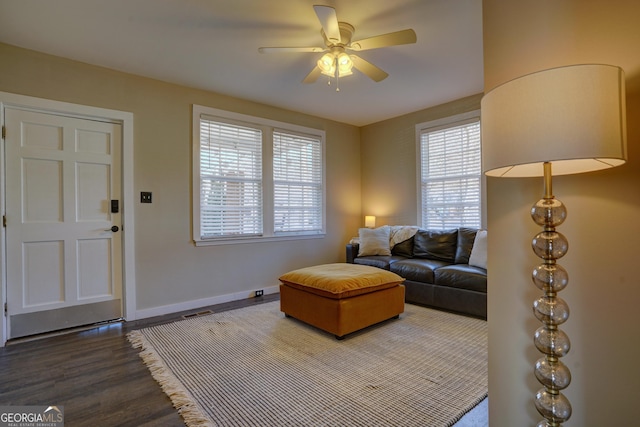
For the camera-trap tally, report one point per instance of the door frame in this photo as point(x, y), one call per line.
point(125, 119)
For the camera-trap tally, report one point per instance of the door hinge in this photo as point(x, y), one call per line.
point(4, 132)
point(4, 221)
point(6, 309)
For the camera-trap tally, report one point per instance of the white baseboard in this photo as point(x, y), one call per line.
point(199, 303)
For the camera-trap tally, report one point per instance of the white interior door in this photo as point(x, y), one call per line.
point(63, 259)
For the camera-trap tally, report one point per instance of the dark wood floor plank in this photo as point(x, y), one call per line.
point(95, 374)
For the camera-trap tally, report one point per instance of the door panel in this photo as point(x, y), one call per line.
point(64, 264)
point(42, 182)
point(94, 268)
point(43, 271)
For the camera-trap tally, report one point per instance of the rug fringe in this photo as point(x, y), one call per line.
point(180, 397)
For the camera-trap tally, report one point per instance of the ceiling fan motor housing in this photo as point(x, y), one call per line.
point(346, 33)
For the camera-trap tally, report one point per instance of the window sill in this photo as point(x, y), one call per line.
point(241, 240)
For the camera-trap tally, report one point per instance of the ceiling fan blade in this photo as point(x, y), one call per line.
point(390, 39)
point(329, 21)
point(291, 49)
point(367, 68)
point(313, 75)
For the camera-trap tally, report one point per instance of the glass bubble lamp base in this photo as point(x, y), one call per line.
point(552, 311)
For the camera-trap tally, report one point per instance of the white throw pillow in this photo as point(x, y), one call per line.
point(478, 256)
point(374, 241)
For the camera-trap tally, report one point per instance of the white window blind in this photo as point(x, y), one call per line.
point(255, 179)
point(297, 183)
point(450, 176)
point(230, 180)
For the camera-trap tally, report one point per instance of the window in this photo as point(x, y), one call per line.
point(230, 180)
point(297, 182)
point(450, 172)
point(255, 179)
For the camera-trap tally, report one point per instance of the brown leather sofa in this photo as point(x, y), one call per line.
point(435, 264)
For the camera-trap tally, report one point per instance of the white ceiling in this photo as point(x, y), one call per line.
point(213, 45)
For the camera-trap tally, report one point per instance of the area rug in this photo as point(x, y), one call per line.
point(255, 367)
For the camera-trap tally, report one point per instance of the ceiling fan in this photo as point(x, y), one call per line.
point(336, 62)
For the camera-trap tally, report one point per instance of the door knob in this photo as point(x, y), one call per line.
point(114, 228)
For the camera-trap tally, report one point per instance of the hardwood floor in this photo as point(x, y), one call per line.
point(95, 374)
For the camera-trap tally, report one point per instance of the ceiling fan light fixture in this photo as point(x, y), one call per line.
point(344, 64)
point(331, 61)
point(327, 64)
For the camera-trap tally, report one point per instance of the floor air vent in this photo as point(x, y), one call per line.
point(199, 313)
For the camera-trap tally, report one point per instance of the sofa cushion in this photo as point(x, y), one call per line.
point(466, 236)
point(404, 249)
point(374, 241)
point(378, 261)
point(417, 269)
point(462, 276)
point(478, 257)
point(436, 244)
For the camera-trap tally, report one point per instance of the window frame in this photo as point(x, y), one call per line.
point(441, 124)
point(267, 128)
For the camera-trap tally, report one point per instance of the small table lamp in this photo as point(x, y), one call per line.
point(370, 221)
point(573, 118)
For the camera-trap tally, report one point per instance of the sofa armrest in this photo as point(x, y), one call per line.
point(352, 252)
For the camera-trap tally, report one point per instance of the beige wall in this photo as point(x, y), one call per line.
point(170, 270)
point(389, 182)
point(603, 226)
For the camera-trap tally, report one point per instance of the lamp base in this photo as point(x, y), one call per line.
point(551, 278)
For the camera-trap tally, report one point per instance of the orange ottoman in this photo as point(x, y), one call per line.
point(341, 298)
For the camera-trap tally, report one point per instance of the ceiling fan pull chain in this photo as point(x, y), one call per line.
point(337, 75)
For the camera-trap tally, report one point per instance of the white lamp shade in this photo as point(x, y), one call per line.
point(370, 221)
point(574, 117)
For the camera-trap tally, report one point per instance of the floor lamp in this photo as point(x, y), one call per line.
point(572, 119)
